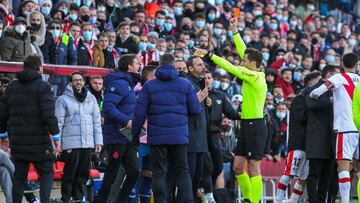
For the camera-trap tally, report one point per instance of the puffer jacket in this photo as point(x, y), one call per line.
point(167, 102)
point(119, 106)
point(79, 122)
point(14, 47)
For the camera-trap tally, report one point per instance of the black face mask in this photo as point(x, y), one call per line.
point(227, 8)
point(314, 40)
point(102, 24)
point(109, 8)
point(36, 26)
point(201, 10)
point(188, 12)
point(32, 38)
point(226, 52)
point(85, 18)
point(185, 27)
point(226, 128)
point(183, 74)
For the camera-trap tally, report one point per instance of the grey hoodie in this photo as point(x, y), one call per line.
point(79, 122)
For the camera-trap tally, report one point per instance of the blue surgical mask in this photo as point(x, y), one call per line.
point(257, 13)
point(259, 23)
point(216, 84)
point(56, 33)
point(151, 46)
point(330, 59)
point(266, 56)
point(149, 1)
point(230, 35)
point(142, 46)
point(168, 26)
point(191, 44)
point(72, 17)
point(352, 42)
point(92, 20)
point(218, 2)
point(87, 3)
point(273, 26)
point(211, 16)
point(280, 115)
point(277, 100)
point(45, 10)
point(186, 57)
point(166, 12)
point(178, 11)
point(200, 23)
point(159, 22)
point(279, 17)
point(87, 35)
point(269, 107)
point(217, 31)
point(297, 76)
point(293, 23)
point(77, 2)
point(65, 11)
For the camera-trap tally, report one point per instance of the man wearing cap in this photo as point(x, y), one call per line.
point(127, 44)
point(15, 45)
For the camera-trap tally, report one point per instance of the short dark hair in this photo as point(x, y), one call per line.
point(75, 24)
point(146, 70)
point(160, 12)
point(254, 55)
point(76, 73)
point(167, 59)
point(328, 69)
point(350, 60)
point(32, 62)
point(125, 61)
point(190, 61)
point(311, 76)
point(102, 35)
point(96, 77)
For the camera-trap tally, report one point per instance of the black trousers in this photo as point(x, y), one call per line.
point(206, 179)
point(195, 161)
point(216, 154)
point(160, 158)
point(76, 173)
point(319, 178)
point(46, 172)
point(118, 154)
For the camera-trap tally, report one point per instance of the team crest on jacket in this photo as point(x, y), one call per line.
point(218, 101)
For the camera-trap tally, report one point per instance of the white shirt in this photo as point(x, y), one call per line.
point(342, 100)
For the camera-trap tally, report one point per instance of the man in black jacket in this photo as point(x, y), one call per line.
point(320, 141)
point(126, 43)
point(198, 144)
point(297, 165)
point(27, 114)
point(219, 104)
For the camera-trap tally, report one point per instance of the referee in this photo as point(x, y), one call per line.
point(251, 143)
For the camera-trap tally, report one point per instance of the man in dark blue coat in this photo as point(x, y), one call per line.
point(167, 102)
point(119, 106)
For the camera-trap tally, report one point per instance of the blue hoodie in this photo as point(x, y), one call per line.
point(119, 105)
point(166, 102)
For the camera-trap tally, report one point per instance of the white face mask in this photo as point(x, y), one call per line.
point(20, 29)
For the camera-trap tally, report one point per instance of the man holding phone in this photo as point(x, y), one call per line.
point(251, 143)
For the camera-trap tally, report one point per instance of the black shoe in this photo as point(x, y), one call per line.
point(31, 187)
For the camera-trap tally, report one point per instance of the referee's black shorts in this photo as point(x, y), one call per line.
point(252, 140)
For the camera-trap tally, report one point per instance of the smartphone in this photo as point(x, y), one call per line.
point(202, 84)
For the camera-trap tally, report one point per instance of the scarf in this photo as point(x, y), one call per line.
point(80, 96)
point(97, 94)
point(90, 48)
point(9, 17)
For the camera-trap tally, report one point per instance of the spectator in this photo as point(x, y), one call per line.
point(4, 82)
point(96, 88)
point(45, 9)
point(27, 7)
point(103, 57)
point(15, 45)
point(119, 105)
point(85, 49)
point(5, 13)
point(277, 131)
point(44, 39)
point(169, 142)
point(80, 127)
point(126, 43)
point(30, 141)
point(284, 81)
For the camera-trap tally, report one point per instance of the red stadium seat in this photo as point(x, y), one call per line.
point(58, 170)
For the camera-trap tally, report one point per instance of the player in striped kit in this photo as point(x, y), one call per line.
point(343, 85)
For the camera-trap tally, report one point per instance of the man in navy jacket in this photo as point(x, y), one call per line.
point(119, 106)
point(167, 102)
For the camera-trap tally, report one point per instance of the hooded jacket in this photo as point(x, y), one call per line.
point(15, 47)
point(119, 106)
point(79, 122)
point(40, 34)
point(27, 113)
point(167, 102)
